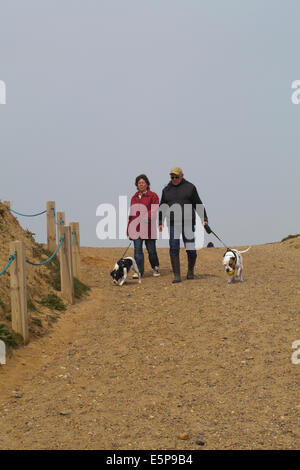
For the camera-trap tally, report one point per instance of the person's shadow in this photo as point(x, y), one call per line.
point(206, 276)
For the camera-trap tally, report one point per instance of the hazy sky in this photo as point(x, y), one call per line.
point(101, 91)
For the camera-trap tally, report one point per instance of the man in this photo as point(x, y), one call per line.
point(182, 198)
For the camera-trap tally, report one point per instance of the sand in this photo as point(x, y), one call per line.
point(156, 365)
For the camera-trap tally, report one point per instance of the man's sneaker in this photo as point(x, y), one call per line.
point(156, 271)
point(135, 276)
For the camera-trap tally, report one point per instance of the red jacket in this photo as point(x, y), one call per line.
point(142, 216)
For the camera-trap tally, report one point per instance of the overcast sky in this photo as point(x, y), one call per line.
point(101, 91)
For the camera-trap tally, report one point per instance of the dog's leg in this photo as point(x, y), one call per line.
point(124, 277)
point(136, 269)
point(238, 273)
point(241, 270)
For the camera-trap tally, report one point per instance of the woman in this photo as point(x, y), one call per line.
point(142, 224)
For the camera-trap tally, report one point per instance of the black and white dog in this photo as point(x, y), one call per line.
point(122, 268)
point(233, 264)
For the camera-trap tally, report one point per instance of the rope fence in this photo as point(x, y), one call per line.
point(51, 257)
point(68, 250)
point(53, 213)
point(11, 259)
point(28, 215)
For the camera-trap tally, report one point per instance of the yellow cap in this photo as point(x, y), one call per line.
point(176, 171)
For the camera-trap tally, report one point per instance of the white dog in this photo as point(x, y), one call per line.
point(122, 268)
point(233, 264)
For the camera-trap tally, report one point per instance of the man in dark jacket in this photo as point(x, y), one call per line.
point(179, 202)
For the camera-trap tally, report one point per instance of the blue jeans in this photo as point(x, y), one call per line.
point(139, 255)
point(188, 237)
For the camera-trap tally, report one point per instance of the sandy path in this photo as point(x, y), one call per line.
point(140, 366)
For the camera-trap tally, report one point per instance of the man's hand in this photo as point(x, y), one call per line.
point(207, 227)
point(160, 228)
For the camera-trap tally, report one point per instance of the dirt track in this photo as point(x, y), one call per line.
point(144, 366)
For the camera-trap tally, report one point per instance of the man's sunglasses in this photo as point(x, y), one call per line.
point(174, 177)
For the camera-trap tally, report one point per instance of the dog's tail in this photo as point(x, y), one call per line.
point(245, 250)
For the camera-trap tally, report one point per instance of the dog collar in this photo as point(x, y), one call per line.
point(231, 251)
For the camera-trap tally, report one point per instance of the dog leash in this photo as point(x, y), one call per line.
point(209, 230)
point(126, 250)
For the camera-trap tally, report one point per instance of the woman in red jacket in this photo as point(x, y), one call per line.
point(142, 224)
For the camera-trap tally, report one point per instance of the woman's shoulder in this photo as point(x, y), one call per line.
point(135, 196)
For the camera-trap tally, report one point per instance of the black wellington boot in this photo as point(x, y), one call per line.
point(191, 264)
point(175, 261)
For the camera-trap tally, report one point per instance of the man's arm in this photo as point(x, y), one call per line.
point(196, 201)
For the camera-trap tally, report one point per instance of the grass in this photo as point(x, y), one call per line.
point(289, 237)
point(52, 275)
point(10, 339)
point(38, 251)
point(2, 305)
point(53, 302)
point(30, 235)
point(37, 321)
point(31, 306)
point(5, 314)
point(80, 288)
point(51, 319)
point(54, 271)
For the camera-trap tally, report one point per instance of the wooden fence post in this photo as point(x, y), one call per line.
point(51, 226)
point(19, 312)
point(75, 248)
point(66, 266)
point(61, 222)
